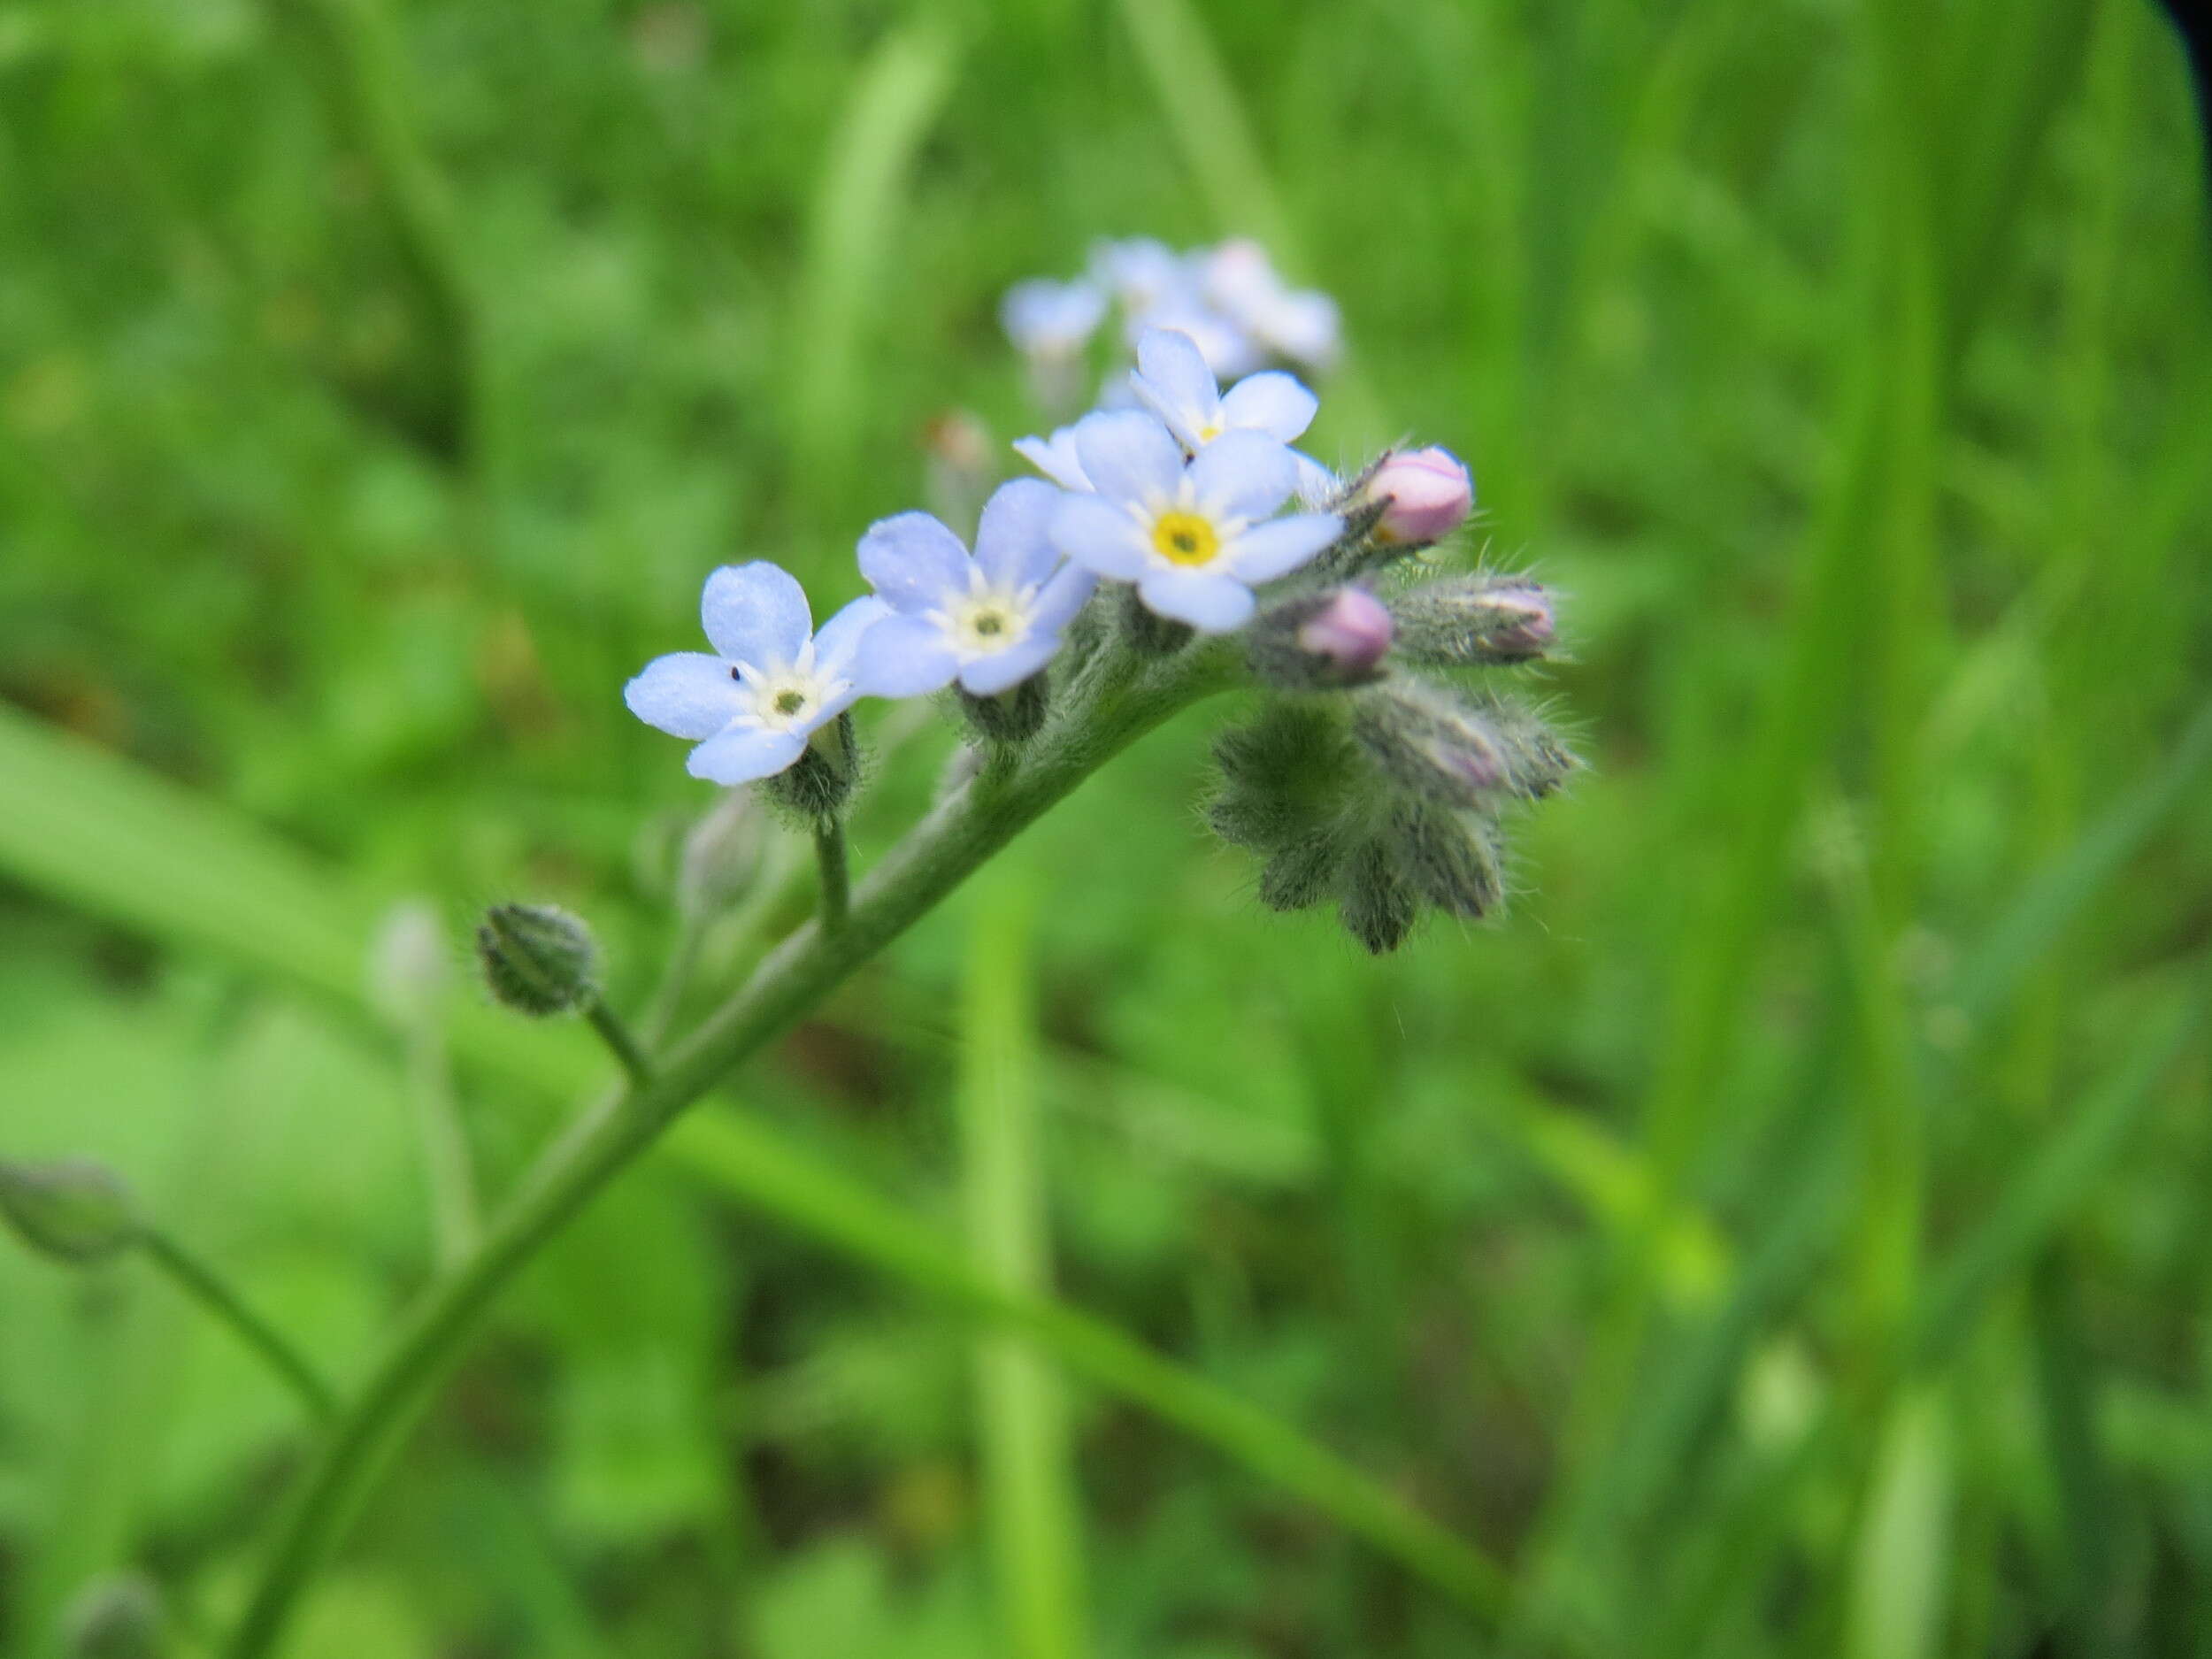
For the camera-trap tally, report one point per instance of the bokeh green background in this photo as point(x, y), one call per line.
point(1784, 1233)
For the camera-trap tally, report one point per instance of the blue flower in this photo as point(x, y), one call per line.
point(990, 620)
point(1300, 324)
point(1158, 288)
point(1193, 536)
point(752, 707)
point(1172, 379)
point(1045, 318)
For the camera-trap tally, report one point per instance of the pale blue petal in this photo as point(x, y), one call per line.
point(1269, 551)
point(841, 636)
point(913, 561)
point(756, 614)
point(1012, 542)
point(903, 656)
point(744, 753)
point(1173, 379)
point(1227, 351)
point(686, 695)
point(1128, 454)
point(1243, 475)
point(1054, 457)
point(988, 676)
point(1061, 597)
point(1171, 361)
point(1210, 601)
point(1274, 402)
point(1100, 536)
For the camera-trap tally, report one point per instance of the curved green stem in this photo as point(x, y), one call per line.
point(837, 881)
point(1117, 704)
point(214, 1293)
point(625, 1048)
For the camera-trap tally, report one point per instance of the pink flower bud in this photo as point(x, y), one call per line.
point(1522, 624)
point(1350, 634)
point(1329, 640)
point(1429, 495)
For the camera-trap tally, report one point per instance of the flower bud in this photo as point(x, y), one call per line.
point(538, 960)
point(1283, 774)
point(1302, 872)
point(1322, 641)
point(1432, 746)
point(1378, 907)
point(720, 854)
point(961, 460)
point(1474, 621)
point(118, 1615)
point(1428, 495)
point(1013, 716)
point(1451, 858)
point(407, 968)
point(71, 1209)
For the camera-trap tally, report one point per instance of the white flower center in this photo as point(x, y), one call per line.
point(986, 622)
point(787, 699)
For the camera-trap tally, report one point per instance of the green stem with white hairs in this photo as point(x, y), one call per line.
point(1112, 704)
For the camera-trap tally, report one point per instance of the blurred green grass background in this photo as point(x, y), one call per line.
point(1783, 1234)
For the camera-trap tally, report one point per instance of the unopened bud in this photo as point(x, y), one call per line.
point(71, 1209)
point(1015, 715)
point(1451, 858)
point(1430, 745)
point(407, 969)
point(1283, 774)
point(815, 787)
point(1476, 620)
point(1378, 907)
point(1537, 763)
point(117, 1617)
point(960, 459)
point(1322, 641)
point(721, 855)
point(1428, 495)
point(538, 960)
point(1303, 872)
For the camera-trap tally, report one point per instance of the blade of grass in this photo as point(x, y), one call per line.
point(1033, 1507)
point(2048, 1184)
point(1722, 929)
point(852, 228)
point(1899, 1590)
point(1683, 1400)
point(360, 74)
point(2066, 1396)
point(2056, 895)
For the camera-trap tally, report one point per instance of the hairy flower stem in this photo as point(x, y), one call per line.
point(837, 881)
point(215, 1294)
point(1117, 701)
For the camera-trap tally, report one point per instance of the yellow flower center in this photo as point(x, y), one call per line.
point(1184, 538)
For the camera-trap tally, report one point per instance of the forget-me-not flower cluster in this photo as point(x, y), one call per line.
point(1177, 509)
